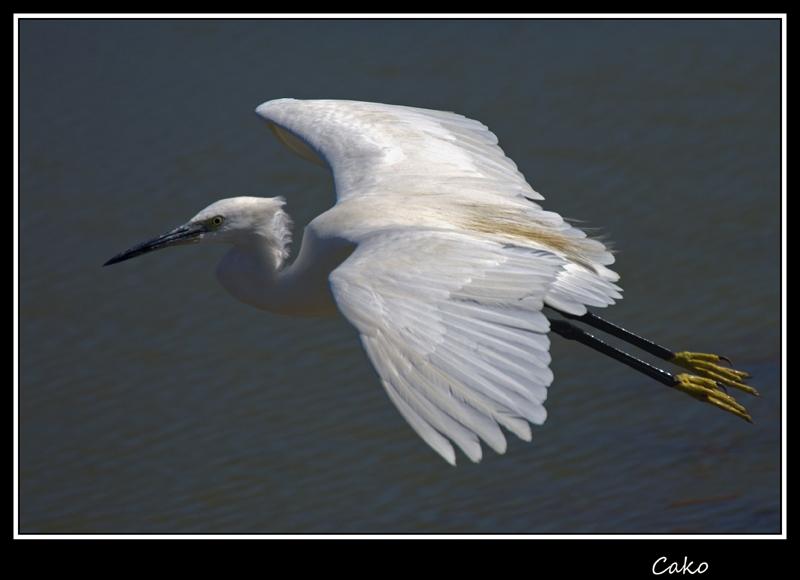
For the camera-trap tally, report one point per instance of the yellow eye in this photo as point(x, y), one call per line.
point(216, 221)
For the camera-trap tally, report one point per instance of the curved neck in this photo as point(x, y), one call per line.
point(249, 274)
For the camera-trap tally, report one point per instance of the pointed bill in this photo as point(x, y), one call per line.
point(186, 234)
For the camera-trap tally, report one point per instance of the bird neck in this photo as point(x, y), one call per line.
point(250, 274)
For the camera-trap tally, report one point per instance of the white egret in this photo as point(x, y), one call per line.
point(439, 256)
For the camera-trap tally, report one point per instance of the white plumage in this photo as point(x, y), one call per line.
point(453, 262)
point(435, 251)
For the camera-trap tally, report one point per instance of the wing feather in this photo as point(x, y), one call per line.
point(452, 266)
point(459, 350)
point(374, 146)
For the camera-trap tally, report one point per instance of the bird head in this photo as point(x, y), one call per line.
point(240, 221)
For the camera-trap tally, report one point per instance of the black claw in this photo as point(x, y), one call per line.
point(721, 386)
point(726, 359)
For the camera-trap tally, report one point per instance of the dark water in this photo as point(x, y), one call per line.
point(151, 401)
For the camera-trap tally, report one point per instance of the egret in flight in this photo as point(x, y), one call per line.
point(439, 254)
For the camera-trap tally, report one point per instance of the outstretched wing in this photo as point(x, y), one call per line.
point(394, 150)
point(453, 325)
point(453, 263)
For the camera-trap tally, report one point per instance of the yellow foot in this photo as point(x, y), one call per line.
point(705, 366)
point(707, 391)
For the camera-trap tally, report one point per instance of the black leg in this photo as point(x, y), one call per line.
point(572, 332)
point(614, 330)
point(702, 364)
point(705, 389)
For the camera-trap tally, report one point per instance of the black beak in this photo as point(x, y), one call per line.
point(187, 234)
